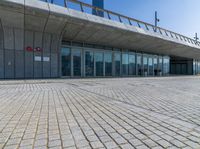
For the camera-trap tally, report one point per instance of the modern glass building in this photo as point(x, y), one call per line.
point(72, 39)
point(87, 60)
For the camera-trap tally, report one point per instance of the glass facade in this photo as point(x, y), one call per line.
point(99, 64)
point(155, 65)
point(160, 66)
point(166, 65)
point(108, 63)
point(132, 64)
point(150, 63)
point(91, 62)
point(196, 67)
point(76, 55)
point(117, 63)
point(139, 64)
point(125, 62)
point(145, 65)
point(66, 61)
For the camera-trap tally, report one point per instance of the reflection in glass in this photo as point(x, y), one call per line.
point(76, 53)
point(117, 61)
point(145, 65)
point(66, 61)
point(166, 64)
point(155, 65)
point(108, 63)
point(194, 67)
point(150, 62)
point(125, 64)
point(99, 63)
point(198, 67)
point(139, 64)
point(160, 64)
point(89, 63)
point(132, 70)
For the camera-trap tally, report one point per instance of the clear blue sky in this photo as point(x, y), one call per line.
point(181, 16)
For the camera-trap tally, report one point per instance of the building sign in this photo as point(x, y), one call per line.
point(30, 49)
point(46, 59)
point(38, 58)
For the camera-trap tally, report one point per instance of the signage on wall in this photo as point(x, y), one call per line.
point(30, 49)
point(46, 59)
point(38, 58)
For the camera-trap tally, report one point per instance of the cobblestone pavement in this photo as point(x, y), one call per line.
point(100, 113)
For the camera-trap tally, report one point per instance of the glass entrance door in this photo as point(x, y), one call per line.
point(108, 63)
point(89, 64)
point(99, 64)
point(66, 61)
point(145, 65)
point(155, 65)
point(125, 64)
point(150, 62)
point(139, 64)
point(132, 70)
point(117, 63)
point(76, 56)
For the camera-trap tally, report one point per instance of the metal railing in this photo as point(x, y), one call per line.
point(87, 8)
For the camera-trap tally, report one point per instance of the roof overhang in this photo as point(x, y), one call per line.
point(83, 27)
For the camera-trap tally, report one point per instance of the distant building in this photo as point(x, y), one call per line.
point(99, 4)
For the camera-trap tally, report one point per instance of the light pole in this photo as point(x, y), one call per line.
point(156, 21)
point(196, 37)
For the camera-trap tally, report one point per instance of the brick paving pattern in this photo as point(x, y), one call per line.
point(122, 113)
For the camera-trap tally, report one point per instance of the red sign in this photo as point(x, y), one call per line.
point(30, 49)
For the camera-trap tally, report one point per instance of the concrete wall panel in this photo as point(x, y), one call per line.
point(29, 55)
point(28, 64)
point(54, 65)
point(19, 39)
point(19, 64)
point(54, 43)
point(35, 23)
point(1, 64)
point(9, 64)
point(8, 38)
point(28, 38)
point(37, 65)
point(46, 65)
point(11, 18)
point(1, 37)
point(38, 39)
point(47, 43)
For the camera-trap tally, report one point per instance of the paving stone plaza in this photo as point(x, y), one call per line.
point(100, 113)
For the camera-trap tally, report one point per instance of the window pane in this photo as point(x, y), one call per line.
point(125, 64)
point(155, 61)
point(76, 62)
point(139, 64)
point(145, 65)
point(89, 63)
point(160, 65)
point(150, 62)
point(66, 61)
point(117, 64)
point(99, 63)
point(166, 64)
point(132, 70)
point(108, 64)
